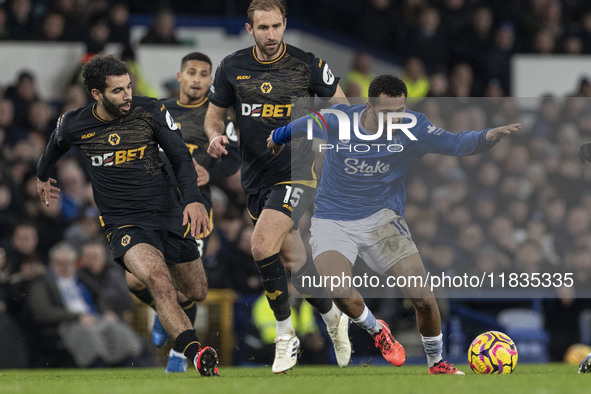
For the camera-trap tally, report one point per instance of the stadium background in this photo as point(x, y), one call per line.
point(526, 204)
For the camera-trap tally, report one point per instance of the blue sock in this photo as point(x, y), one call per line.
point(368, 322)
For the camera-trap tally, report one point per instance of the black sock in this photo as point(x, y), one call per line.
point(144, 296)
point(190, 308)
point(321, 300)
point(274, 280)
point(188, 344)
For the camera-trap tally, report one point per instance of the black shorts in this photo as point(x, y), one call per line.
point(164, 232)
point(293, 199)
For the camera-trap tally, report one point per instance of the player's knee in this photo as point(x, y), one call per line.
point(259, 251)
point(425, 306)
point(197, 293)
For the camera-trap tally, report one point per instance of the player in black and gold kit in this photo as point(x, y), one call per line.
point(260, 83)
point(150, 224)
point(188, 112)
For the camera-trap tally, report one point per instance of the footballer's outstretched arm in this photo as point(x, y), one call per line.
point(214, 129)
point(57, 146)
point(282, 135)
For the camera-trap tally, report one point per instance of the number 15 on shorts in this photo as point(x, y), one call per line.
point(292, 195)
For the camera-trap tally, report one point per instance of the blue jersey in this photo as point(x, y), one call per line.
point(361, 177)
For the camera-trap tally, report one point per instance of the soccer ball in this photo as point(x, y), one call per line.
point(492, 352)
point(576, 353)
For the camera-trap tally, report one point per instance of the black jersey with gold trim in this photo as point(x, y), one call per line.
point(190, 121)
point(122, 159)
point(262, 94)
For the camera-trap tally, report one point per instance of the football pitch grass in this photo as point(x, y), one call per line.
point(539, 378)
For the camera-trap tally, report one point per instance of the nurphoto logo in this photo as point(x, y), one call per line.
point(394, 121)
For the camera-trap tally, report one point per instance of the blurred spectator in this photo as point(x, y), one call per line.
point(547, 119)
point(552, 18)
point(52, 27)
point(162, 29)
point(63, 309)
point(544, 42)
point(358, 79)
point(49, 222)
point(73, 30)
point(479, 37)
point(426, 41)
point(485, 209)
point(490, 260)
point(574, 229)
point(469, 242)
point(438, 84)
point(572, 44)
point(21, 24)
point(13, 352)
point(217, 273)
point(85, 229)
point(411, 11)
point(462, 81)
point(19, 284)
point(501, 233)
point(496, 63)
point(141, 86)
point(583, 89)
point(415, 78)
point(384, 19)
point(97, 35)
point(530, 258)
point(75, 190)
point(4, 25)
point(9, 213)
point(493, 88)
point(75, 97)
point(578, 261)
point(119, 23)
point(41, 119)
point(456, 15)
point(23, 245)
point(238, 258)
point(22, 94)
point(444, 258)
point(104, 279)
point(586, 32)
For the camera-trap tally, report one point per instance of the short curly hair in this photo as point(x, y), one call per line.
point(390, 85)
point(96, 71)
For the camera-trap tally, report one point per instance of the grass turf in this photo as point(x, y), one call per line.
point(540, 378)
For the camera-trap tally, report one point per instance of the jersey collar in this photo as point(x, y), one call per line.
point(191, 105)
point(96, 115)
point(254, 54)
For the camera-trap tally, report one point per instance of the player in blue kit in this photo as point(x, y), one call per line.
point(361, 200)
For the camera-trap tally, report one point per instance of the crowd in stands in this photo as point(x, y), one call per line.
point(525, 206)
